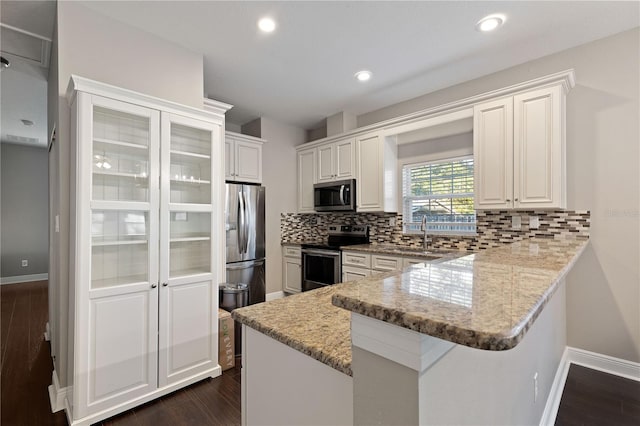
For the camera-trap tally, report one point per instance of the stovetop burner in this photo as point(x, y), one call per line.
point(342, 235)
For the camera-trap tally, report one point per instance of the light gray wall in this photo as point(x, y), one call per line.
point(24, 210)
point(279, 176)
point(97, 47)
point(436, 149)
point(603, 153)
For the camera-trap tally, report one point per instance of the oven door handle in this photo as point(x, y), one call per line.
point(321, 253)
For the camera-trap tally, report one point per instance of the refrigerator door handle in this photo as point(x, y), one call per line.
point(241, 222)
point(245, 232)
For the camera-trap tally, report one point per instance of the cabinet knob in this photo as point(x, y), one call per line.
point(508, 200)
point(154, 285)
point(165, 284)
point(515, 199)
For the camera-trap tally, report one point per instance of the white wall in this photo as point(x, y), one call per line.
point(603, 290)
point(280, 179)
point(25, 233)
point(97, 47)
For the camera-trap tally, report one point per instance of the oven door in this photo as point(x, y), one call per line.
point(320, 268)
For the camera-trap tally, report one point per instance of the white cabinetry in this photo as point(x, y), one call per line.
point(357, 265)
point(146, 248)
point(336, 160)
point(519, 151)
point(243, 158)
point(306, 179)
point(292, 269)
point(376, 165)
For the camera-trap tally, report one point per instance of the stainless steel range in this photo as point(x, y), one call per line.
point(322, 263)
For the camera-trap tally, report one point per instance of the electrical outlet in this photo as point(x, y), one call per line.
point(57, 223)
point(535, 387)
point(534, 222)
point(516, 222)
point(392, 221)
point(25, 263)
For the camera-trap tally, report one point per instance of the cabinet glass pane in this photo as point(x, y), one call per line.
point(120, 156)
point(119, 247)
point(190, 170)
point(189, 243)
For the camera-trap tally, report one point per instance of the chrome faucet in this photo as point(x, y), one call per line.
point(423, 228)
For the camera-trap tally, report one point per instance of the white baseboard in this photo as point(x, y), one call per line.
point(275, 295)
point(555, 393)
point(593, 360)
point(23, 278)
point(605, 363)
point(57, 395)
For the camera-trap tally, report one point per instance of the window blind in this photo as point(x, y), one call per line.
point(443, 192)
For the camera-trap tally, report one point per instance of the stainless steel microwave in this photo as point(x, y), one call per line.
point(337, 196)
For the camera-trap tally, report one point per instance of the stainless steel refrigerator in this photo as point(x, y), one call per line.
point(244, 213)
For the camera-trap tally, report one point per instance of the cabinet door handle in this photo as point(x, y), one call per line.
point(154, 285)
point(165, 284)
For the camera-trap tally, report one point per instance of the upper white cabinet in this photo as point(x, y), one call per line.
point(336, 160)
point(306, 179)
point(376, 165)
point(146, 247)
point(519, 151)
point(243, 158)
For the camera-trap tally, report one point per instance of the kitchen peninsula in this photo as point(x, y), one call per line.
point(481, 334)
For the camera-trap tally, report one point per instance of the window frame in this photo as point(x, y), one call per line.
point(403, 198)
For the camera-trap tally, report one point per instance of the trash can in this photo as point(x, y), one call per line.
point(232, 296)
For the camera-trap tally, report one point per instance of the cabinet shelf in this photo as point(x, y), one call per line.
point(119, 174)
point(190, 182)
point(96, 242)
point(121, 144)
point(190, 154)
point(188, 272)
point(188, 239)
point(124, 280)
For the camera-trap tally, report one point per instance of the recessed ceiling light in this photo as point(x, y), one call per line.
point(267, 25)
point(363, 75)
point(490, 23)
point(26, 122)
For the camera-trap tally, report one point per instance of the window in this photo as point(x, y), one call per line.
point(443, 193)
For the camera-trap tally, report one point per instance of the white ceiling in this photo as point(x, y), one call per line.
point(303, 72)
point(23, 85)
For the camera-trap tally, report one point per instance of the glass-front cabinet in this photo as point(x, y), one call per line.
point(145, 238)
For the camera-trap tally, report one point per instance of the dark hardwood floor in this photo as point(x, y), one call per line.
point(592, 397)
point(589, 398)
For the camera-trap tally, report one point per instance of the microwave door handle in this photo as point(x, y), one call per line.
point(342, 195)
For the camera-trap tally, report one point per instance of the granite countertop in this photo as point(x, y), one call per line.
point(398, 250)
point(307, 322)
point(391, 249)
point(487, 300)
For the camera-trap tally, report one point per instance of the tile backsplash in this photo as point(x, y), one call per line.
point(493, 228)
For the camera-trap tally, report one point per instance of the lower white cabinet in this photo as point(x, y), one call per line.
point(358, 265)
point(292, 269)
